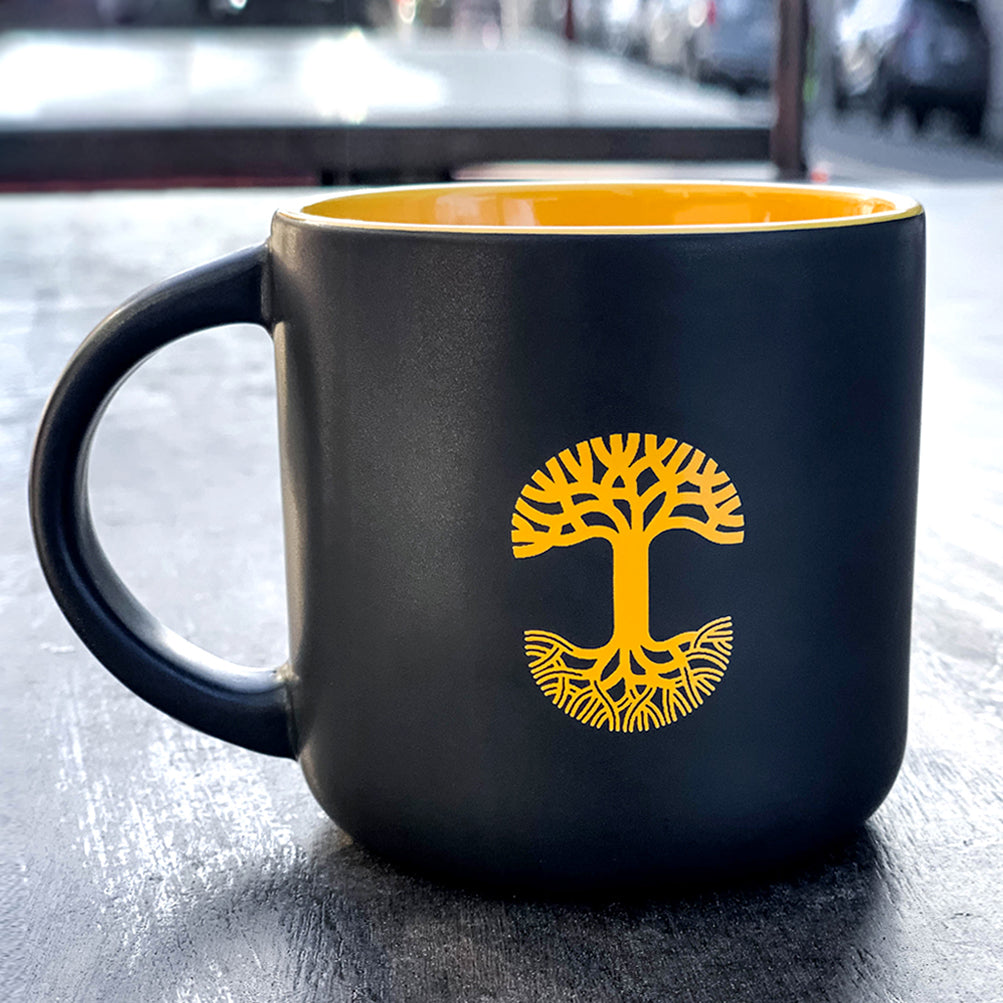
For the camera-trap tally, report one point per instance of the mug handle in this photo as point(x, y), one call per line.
point(249, 707)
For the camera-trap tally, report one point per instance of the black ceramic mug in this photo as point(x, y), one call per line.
point(599, 517)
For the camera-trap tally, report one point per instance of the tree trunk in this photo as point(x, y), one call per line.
point(630, 588)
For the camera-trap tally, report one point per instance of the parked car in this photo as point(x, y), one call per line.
point(174, 13)
point(913, 54)
point(726, 41)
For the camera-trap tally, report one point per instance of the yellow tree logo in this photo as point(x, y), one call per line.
point(628, 489)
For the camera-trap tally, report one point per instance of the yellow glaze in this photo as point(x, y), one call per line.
point(614, 207)
point(628, 490)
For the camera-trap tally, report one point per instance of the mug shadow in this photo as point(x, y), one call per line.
point(335, 922)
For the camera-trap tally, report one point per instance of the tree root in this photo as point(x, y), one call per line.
point(626, 686)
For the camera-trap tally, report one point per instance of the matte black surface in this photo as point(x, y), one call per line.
point(423, 378)
point(149, 861)
point(246, 706)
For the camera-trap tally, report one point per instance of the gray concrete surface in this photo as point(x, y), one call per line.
point(146, 862)
point(853, 146)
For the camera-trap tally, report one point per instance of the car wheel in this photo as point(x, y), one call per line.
point(883, 99)
point(691, 65)
point(972, 120)
point(840, 101)
point(919, 114)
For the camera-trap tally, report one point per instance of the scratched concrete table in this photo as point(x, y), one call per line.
point(319, 105)
point(152, 863)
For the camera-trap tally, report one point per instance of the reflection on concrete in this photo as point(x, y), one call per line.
point(346, 75)
point(37, 73)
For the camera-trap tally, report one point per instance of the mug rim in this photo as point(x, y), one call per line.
point(898, 206)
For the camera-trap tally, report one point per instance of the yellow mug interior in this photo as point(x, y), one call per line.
point(607, 207)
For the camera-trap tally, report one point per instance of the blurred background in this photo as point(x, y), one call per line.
point(152, 93)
